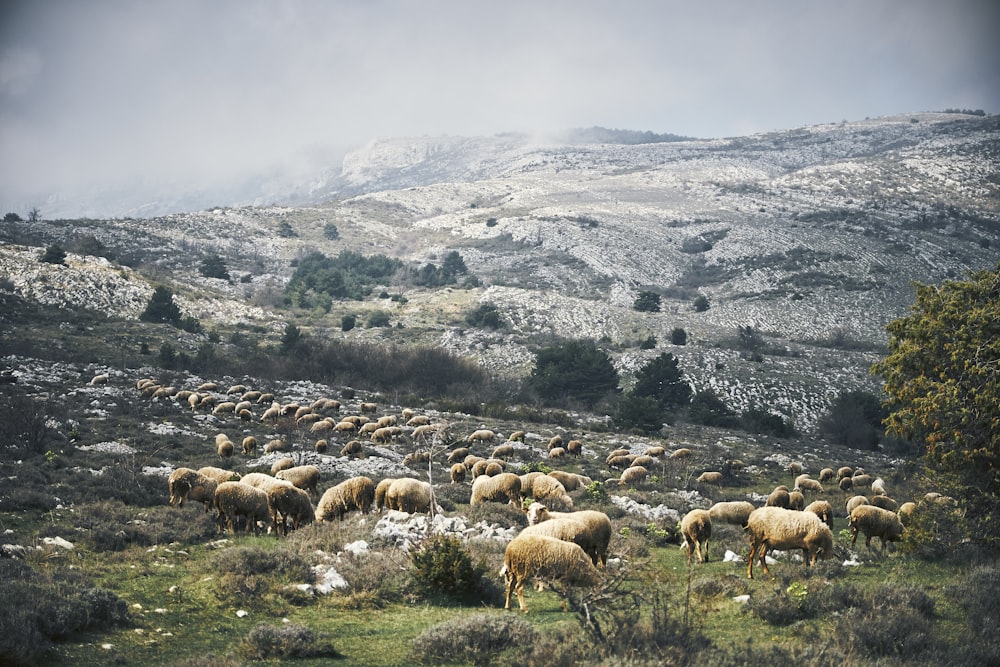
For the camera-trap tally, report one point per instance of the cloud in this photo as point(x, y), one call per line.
point(19, 68)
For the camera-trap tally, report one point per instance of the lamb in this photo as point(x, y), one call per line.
point(878, 487)
point(710, 477)
point(249, 446)
point(735, 512)
point(905, 512)
point(220, 475)
point(504, 487)
point(778, 528)
point(557, 452)
point(225, 449)
point(235, 500)
point(542, 557)
point(875, 522)
point(632, 475)
point(355, 493)
point(410, 495)
point(185, 483)
point(696, 528)
point(548, 489)
point(480, 436)
point(458, 473)
point(304, 477)
point(574, 447)
point(822, 509)
point(284, 503)
point(571, 481)
point(594, 540)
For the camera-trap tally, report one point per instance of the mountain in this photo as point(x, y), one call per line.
point(811, 237)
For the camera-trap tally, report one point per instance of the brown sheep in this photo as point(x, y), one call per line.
point(696, 528)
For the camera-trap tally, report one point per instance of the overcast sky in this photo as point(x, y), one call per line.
point(176, 92)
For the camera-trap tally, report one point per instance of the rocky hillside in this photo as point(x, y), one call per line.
point(810, 236)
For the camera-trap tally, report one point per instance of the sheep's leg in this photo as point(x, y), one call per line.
point(705, 549)
point(509, 580)
point(519, 589)
point(762, 552)
point(753, 548)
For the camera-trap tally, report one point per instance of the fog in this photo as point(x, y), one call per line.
point(176, 95)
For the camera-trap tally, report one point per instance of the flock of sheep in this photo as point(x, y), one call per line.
point(558, 543)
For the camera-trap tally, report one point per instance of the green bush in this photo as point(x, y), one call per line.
point(485, 315)
point(214, 266)
point(575, 370)
point(54, 255)
point(647, 302)
point(442, 567)
point(478, 639)
point(678, 336)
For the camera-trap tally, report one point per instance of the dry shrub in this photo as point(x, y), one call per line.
point(479, 639)
point(285, 641)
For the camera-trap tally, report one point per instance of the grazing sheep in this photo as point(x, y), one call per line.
point(419, 420)
point(380, 490)
point(502, 452)
point(823, 509)
point(527, 479)
point(235, 500)
point(632, 475)
point(322, 445)
point(504, 487)
point(885, 502)
point(289, 503)
point(861, 481)
point(355, 493)
point(220, 475)
point(905, 512)
point(282, 464)
point(193, 400)
point(696, 528)
point(458, 473)
point(471, 460)
point(249, 446)
point(808, 484)
point(796, 501)
point(311, 419)
point(416, 458)
point(710, 477)
point(271, 414)
point(479, 469)
point(427, 432)
point(343, 426)
point(557, 453)
point(481, 436)
point(250, 396)
point(778, 528)
point(368, 407)
point(387, 420)
point(844, 471)
point(825, 474)
point(323, 426)
point(304, 477)
point(276, 445)
point(225, 449)
point(570, 480)
point(855, 501)
point(878, 487)
point(778, 498)
point(352, 449)
point(265, 398)
point(410, 495)
point(619, 462)
point(550, 490)
point(493, 468)
point(656, 451)
point(555, 441)
point(261, 481)
point(100, 379)
point(458, 455)
point(795, 468)
point(574, 447)
point(681, 453)
point(734, 512)
point(644, 461)
point(236, 389)
point(368, 429)
point(846, 484)
point(594, 541)
point(614, 454)
point(228, 407)
point(407, 413)
point(875, 522)
point(544, 558)
point(516, 436)
point(185, 483)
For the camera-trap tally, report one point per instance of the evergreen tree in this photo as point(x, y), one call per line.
point(161, 307)
point(576, 370)
point(662, 380)
point(54, 255)
point(648, 302)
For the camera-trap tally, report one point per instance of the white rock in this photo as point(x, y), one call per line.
point(57, 542)
point(742, 599)
point(731, 557)
point(242, 613)
point(357, 548)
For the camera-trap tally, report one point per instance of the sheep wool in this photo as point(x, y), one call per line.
point(458, 473)
point(696, 527)
point(779, 528)
point(220, 475)
point(354, 494)
point(875, 522)
point(409, 495)
point(544, 558)
point(304, 477)
point(289, 503)
point(733, 512)
point(505, 487)
point(236, 500)
point(823, 509)
point(596, 536)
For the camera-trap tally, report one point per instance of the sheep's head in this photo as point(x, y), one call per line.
point(537, 513)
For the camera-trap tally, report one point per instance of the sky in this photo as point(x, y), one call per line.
point(182, 94)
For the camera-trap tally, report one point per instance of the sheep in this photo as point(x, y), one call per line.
point(574, 447)
point(619, 462)
point(502, 452)
point(355, 493)
point(543, 557)
point(885, 502)
point(505, 486)
point(236, 389)
point(516, 436)
point(632, 475)
point(471, 460)
point(710, 477)
point(368, 407)
point(271, 414)
point(778, 498)
point(304, 477)
point(419, 420)
point(310, 419)
point(861, 481)
point(276, 445)
point(458, 455)
point(283, 463)
point(595, 540)
point(426, 432)
point(644, 461)
point(905, 512)
point(844, 471)
point(548, 489)
point(796, 501)
point(100, 379)
point(826, 474)
point(368, 428)
point(220, 475)
point(493, 468)
point(250, 396)
point(208, 386)
point(228, 407)
point(193, 400)
point(407, 413)
point(555, 441)
point(387, 420)
point(878, 487)
point(875, 522)
point(480, 436)
point(265, 398)
point(557, 452)
point(207, 401)
point(696, 527)
point(823, 509)
point(352, 449)
point(479, 469)
point(855, 501)
point(410, 495)
point(261, 481)
point(380, 490)
point(795, 468)
point(323, 426)
point(321, 446)
point(458, 473)
point(571, 481)
point(615, 453)
point(808, 484)
point(286, 503)
point(249, 446)
point(185, 483)
point(778, 528)
point(416, 458)
point(343, 426)
point(734, 512)
point(656, 451)
point(234, 500)
point(527, 479)
point(225, 449)
point(846, 484)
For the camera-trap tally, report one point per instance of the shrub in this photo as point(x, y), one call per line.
point(348, 322)
point(575, 369)
point(485, 315)
point(330, 232)
point(441, 567)
point(855, 420)
point(378, 318)
point(54, 255)
point(214, 266)
point(285, 641)
point(476, 639)
point(642, 413)
point(678, 336)
point(647, 302)
point(700, 303)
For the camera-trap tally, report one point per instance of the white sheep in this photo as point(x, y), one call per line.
point(503, 487)
point(826, 474)
point(220, 475)
point(696, 529)
point(571, 481)
point(594, 539)
point(516, 436)
point(355, 493)
point(284, 463)
point(262, 481)
point(289, 503)
point(656, 451)
point(855, 501)
point(733, 512)
point(574, 447)
point(779, 528)
point(875, 522)
point(409, 495)
point(823, 509)
point(805, 483)
point(679, 454)
point(458, 455)
point(185, 483)
point(710, 477)
point(305, 477)
point(380, 490)
point(544, 558)
point(235, 500)
point(905, 512)
point(878, 487)
point(549, 490)
point(480, 436)
point(796, 501)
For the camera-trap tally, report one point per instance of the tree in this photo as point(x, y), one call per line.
point(575, 369)
point(485, 315)
point(214, 266)
point(639, 412)
point(330, 231)
point(348, 322)
point(34, 215)
point(453, 266)
point(942, 379)
point(290, 338)
point(12, 217)
point(662, 380)
point(701, 303)
point(678, 336)
point(54, 255)
point(161, 307)
point(648, 302)
point(854, 420)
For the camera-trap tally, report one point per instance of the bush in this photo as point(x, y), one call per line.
point(575, 369)
point(285, 641)
point(214, 266)
point(441, 567)
point(678, 336)
point(54, 255)
point(647, 302)
point(700, 303)
point(855, 420)
point(485, 315)
point(348, 322)
point(476, 639)
point(378, 318)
